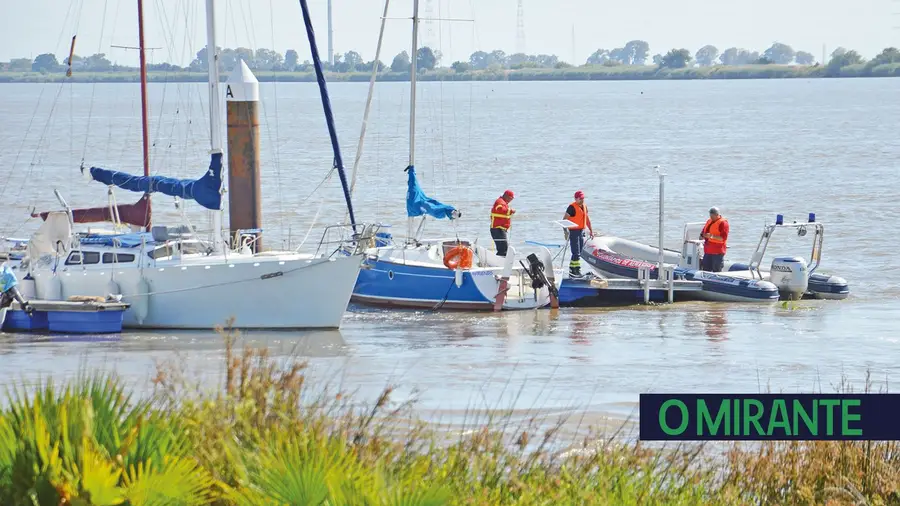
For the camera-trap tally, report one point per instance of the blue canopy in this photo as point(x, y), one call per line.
point(204, 190)
point(417, 203)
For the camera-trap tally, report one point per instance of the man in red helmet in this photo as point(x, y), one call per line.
point(501, 220)
point(577, 213)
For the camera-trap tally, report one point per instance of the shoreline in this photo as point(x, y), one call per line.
point(583, 73)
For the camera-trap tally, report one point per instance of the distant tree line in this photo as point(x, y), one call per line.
point(635, 52)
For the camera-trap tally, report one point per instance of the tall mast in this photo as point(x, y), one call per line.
point(215, 122)
point(412, 84)
point(144, 126)
point(326, 106)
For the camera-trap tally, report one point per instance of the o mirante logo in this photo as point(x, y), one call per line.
point(704, 417)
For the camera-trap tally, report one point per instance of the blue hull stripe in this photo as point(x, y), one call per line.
point(412, 285)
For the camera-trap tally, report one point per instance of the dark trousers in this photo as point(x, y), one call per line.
point(576, 242)
point(499, 236)
point(712, 263)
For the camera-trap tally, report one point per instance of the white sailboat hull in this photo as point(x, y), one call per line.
point(289, 293)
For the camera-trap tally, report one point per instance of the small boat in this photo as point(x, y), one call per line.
point(788, 277)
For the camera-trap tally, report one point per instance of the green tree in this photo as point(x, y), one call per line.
point(97, 63)
point(620, 55)
point(804, 58)
point(598, 57)
point(676, 59)
point(736, 56)
point(841, 58)
point(657, 59)
point(267, 59)
point(401, 62)
point(45, 63)
point(887, 56)
point(497, 57)
point(290, 60)
point(637, 51)
point(546, 60)
point(460, 66)
point(779, 53)
point(426, 59)
point(479, 60)
point(706, 55)
point(20, 64)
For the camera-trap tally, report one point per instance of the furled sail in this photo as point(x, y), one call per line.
point(137, 214)
point(417, 203)
point(205, 191)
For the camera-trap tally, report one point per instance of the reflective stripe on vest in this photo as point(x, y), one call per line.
point(500, 214)
point(580, 218)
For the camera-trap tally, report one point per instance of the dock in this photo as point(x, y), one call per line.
point(89, 316)
point(598, 291)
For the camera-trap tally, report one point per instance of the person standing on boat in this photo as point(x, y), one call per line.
point(501, 220)
point(715, 238)
point(577, 213)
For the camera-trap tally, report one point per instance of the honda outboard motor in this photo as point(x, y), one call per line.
point(535, 270)
point(791, 276)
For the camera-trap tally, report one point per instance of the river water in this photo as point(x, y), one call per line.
point(752, 148)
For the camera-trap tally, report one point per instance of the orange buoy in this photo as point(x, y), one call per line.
point(459, 257)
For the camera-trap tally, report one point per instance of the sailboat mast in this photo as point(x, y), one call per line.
point(412, 84)
point(144, 124)
point(215, 122)
point(326, 106)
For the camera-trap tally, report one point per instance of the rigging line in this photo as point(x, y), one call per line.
point(87, 129)
point(276, 142)
point(22, 145)
point(35, 156)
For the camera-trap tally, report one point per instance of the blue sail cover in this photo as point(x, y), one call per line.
point(205, 191)
point(417, 203)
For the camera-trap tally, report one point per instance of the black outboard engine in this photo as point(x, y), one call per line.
point(535, 270)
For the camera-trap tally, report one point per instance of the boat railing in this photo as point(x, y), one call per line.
point(347, 239)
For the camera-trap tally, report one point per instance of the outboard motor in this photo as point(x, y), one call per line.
point(791, 276)
point(535, 270)
point(10, 291)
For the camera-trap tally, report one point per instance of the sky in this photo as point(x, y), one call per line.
point(571, 29)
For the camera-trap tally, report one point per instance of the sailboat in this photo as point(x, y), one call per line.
point(424, 273)
point(171, 277)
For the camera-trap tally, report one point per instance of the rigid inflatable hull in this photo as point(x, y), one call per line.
point(821, 286)
point(716, 287)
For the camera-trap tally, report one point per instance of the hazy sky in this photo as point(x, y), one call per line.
point(178, 26)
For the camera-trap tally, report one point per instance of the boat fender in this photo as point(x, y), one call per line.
point(460, 256)
point(140, 303)
point(112, 287)
point(28, 288)
point(49, 287)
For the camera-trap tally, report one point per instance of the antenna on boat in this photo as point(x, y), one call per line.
point(662, 195)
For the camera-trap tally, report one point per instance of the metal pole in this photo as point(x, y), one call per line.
point(330, 39)
point(215, 121)
point(662, 196)
point(144, 122)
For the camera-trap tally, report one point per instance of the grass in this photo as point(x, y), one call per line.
point(263, 437)
point(582, 73)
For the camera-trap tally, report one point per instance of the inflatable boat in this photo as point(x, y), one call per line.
point(787, 277)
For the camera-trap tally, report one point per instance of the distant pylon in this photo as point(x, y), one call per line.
point(520, 27)
point(428, 37)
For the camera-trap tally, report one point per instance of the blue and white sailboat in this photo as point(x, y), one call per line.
point(420, 273)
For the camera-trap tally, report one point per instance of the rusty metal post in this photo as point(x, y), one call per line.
point(244, 195)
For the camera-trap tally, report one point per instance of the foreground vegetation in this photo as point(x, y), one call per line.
point(264, 438)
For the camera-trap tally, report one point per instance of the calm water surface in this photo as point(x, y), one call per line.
point(753, 148)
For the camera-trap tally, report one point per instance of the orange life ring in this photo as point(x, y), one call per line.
point(460, 256)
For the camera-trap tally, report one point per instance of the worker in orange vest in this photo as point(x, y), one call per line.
point(577, 213)
point(501, 221)
point(715, 239)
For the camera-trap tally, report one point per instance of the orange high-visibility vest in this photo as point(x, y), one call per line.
point(719, 228)
point(580, 218)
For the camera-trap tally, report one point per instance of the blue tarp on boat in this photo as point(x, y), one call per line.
point(7, 278)
point(417, 203)
point(118, 240)
point(205, 191)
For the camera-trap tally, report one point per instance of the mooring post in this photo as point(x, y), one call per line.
point(244, 194)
